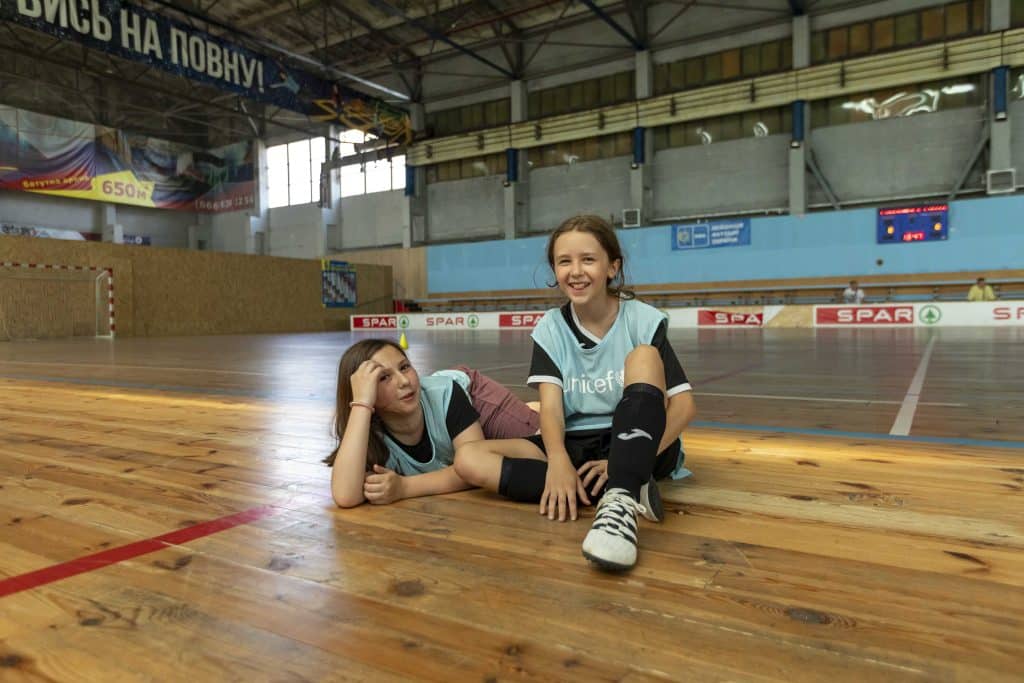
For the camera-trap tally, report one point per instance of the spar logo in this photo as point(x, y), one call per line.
point(707, 317)
point(930, 314)
point(864, 315)
point(374, 322)
point(471, 321)
point(519, 319)
point(403, 322)
point(1008, 313)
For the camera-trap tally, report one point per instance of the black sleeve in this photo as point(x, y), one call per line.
point(542, 368)
point(675, 377)
point(461, 413)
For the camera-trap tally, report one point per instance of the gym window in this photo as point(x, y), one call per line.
point(293, 172)
point(368, 170)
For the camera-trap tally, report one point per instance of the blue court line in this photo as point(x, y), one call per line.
point(945, 440)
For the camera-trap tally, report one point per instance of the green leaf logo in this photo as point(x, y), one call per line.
point(929, 314)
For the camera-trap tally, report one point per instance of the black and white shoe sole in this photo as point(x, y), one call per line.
point(650, 498)
point(605, 564)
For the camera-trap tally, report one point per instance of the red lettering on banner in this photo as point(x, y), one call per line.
point(865, 315)
point(374, 322)
point(445, 321)
point(710, 317)
point(1008, 313)
point(519, 319)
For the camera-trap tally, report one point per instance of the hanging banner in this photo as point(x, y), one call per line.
point(132, 32)
point(337, 284)
point(732, 233)
point(50, 155)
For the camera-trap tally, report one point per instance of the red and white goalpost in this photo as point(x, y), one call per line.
point(17, 304)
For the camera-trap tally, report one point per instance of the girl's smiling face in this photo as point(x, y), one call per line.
point(582, 267)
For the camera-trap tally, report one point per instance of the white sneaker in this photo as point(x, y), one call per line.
point(650, 501)
point(611, 541)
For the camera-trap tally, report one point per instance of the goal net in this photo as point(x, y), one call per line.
point(47, 301)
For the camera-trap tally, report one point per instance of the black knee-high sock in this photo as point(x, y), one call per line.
point(637, 428)
point(523, 479)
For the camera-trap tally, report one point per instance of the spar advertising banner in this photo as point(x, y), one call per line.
point(448, 321)
point(838, 316)
point(956, 314)
point(132, 32)
point(50, 155)
point(708, 317)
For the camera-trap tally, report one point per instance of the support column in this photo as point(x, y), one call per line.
point(336, 227)
point(998, 15)
point(644, 68)
point(516, 216)
point(798, 161)
point(801, 42)
point(259, 215)
point(641, 170)
point(110, 229)
point(414, 228)
point(518, 101)
point(1000, 158)
point(639, 173)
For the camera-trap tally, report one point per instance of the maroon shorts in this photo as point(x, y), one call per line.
point(502, 414)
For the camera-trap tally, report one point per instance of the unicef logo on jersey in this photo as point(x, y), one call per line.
point(611, 382)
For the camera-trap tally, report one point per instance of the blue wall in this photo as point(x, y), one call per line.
point(984, 235)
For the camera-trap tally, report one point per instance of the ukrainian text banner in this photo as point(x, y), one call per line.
point(132, 32)
point(730, 233)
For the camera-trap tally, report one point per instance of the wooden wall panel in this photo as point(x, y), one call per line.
point(40, 304)
point(165, 292)
point(409, 267)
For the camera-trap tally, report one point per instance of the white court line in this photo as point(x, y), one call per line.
point(904, 418)
point(129, 367)
point(863, 401)
point(503, 367)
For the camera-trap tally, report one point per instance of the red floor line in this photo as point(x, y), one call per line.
point(81, 565)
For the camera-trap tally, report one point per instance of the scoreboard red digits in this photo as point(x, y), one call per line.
point(928, 223)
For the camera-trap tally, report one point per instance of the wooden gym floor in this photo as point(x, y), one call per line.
point(856, 513)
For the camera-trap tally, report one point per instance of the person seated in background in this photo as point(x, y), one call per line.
point(980, 291)
point(853, 294)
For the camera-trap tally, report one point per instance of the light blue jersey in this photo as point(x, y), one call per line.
point(435, 397)
point(593, 378)
point(591, 371)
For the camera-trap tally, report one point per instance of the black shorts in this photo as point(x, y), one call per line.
point(584, 446)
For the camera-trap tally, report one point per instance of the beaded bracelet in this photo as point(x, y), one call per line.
point(360, 403)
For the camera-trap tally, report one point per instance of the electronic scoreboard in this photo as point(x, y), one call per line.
point(898, 225)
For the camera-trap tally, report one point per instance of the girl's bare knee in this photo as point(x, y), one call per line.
point(644, 354)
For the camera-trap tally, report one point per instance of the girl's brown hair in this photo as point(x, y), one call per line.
point(605, 236)
point(356, 355)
